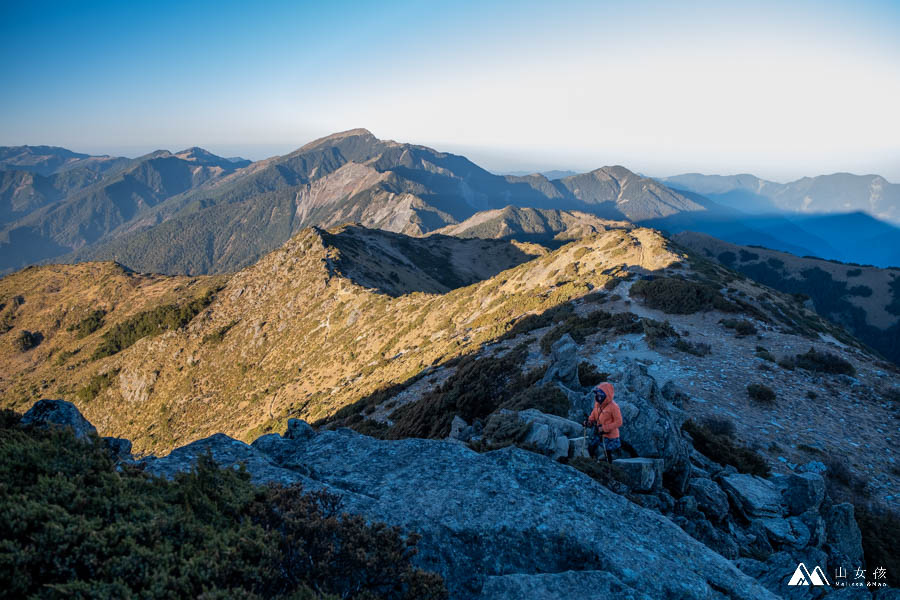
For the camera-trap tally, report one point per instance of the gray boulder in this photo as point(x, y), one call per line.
point(459, 429)
point(501, 514)
point(786, 532)
point(754, 497)
point(844, 540)
point(299, 430)
point(711, 500)
point(776, 572)
point(546, 434)
point(641, 474)
point(553, 586)
point(118, 447)
point(563, 363)
point(228, 452)
point(803, 492)
point(816, 525)
point(651, 424)
point(59, 413)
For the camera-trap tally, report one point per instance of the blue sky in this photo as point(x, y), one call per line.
point(763, 87)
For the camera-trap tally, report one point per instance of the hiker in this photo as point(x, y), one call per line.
point(604, 421)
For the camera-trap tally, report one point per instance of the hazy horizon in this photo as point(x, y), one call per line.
point(778, 91)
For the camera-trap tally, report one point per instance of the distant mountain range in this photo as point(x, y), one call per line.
point(851, 218)
point(193, 212)
point(828, 194)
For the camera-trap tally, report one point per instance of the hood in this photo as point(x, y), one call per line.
point(609, 390)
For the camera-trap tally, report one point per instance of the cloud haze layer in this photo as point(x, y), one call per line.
point(781, 91)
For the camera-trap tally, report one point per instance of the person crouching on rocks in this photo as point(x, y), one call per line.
point(604, 421)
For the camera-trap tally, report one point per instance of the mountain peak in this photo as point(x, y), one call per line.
point(341, 135)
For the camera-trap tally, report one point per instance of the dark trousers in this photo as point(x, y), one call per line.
point(610, 444)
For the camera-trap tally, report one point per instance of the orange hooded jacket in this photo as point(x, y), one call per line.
point(607, 416)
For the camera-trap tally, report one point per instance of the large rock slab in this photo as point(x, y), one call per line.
point(508, 514)
point(641, 474)
point(803, 492)
point(227, 452)
point(547, 434)
point(754, 497)
point(711, 500)
point(844, 540)
point(554, 586)
point(59, 413)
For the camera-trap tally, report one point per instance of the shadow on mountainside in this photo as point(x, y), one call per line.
point(396, 264)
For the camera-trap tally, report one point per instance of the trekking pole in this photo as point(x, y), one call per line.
point(603, 443)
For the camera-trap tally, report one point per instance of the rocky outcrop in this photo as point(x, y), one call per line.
point(755, 497)
point(59, 413)
point(651, 424)
point(549, 435)
point(553, 586)
point(803, 492)
point(508, 523)
point(229, 452)
point(641, 474)
point(711, 500)
point(844, 540)
point(563, 363)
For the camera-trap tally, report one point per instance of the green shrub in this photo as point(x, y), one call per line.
point(96, 385)
point(863, 291)
point(151, 322)
point(479, 386)
point(824, 362)
point(73, 525)
point(64, 356)
point(720, 426)
point(765, 355)
point(695, 348)
point(787, 362)
point(727, 258)
point(748, 256)
point(589, 376)
point(26, 340)
point(219, 334)
point(89, 324)
point(679, 296)
point(656, 332)
point(722, 449)
point(741, 327)
point(548, 399)
point(854, 272)
point(8, 312)
point(761, 393)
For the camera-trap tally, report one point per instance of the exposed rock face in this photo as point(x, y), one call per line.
point(228, 452)
point(298, 430)
point(508, 523)
point(804, 491)
point(651, 424)
point(844, 540)
point(564, 363)
point(755, 497)
point(642, 474)
point(553, 586)
point(547, 434)
point(119, 447)
point(711, 500)
point(59, 413)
